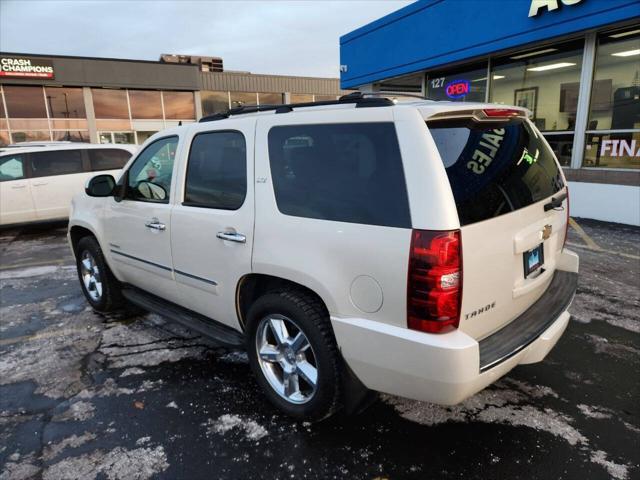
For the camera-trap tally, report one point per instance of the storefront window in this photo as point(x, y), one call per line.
point(545, 80)
point(239, 99)
point(179, 105)
point(4, 138)
point(2, 114)
point(25, 102)
point(612, 150)
point(562, 146)
point(143, 136)
point(214, 102)
point(301, 98)
point(270, 98)
point(65, 102)
point(325, 98)
point(145, 104)
point(110, 103)
point(468, 84)
point(72, 136)
point(613, 131)
point(30, 136)
point(615, 100)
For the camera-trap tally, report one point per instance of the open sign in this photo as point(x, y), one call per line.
point(457, 88)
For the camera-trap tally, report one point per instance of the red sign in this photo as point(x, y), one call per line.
point(457, 88)
point(25, 67)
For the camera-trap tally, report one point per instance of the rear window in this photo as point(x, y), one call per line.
point(108, 158)
point(495, 168)
point(348, 172)
point(55, 162)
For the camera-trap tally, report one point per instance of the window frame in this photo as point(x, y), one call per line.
point(186, 172)
point(125, 176)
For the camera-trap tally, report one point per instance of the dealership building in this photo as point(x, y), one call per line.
point(575, 64)
point(48, 97)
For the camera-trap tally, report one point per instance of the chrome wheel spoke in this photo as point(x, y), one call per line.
point(269, 353)
point(87, 264)
point(279, 330)
point(291, 385)
point(308, 372)
point(300, 343)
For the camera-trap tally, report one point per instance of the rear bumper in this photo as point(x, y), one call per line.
point(451, 367)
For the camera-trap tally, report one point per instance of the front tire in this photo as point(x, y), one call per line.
point(293, 354)
point(101, 289)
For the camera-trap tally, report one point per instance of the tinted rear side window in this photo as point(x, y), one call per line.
point(217, 171)
point(341, 172)
point(108, 158)
point(495, 168)
point(55, 162)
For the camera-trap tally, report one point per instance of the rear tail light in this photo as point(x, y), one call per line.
point(434, 285)
point(566, 227)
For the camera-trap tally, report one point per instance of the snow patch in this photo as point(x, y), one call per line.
point(132, 371)
point(27, 272)
point(78, 411)
point(117, 464)
point(616, 470)
point(591, 411)
point(225, 423)
point(74, 441)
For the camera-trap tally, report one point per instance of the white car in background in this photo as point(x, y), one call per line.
point(38, 180)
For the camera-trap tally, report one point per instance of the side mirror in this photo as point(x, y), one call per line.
point(100, 186)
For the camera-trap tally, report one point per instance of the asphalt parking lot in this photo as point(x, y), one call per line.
point(88, 396)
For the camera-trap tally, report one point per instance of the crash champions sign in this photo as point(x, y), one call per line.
point(25, 67)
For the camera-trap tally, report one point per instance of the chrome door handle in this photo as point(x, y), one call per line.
point(232, 237)
point(155, 224)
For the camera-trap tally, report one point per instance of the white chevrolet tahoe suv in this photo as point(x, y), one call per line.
point(352, 246)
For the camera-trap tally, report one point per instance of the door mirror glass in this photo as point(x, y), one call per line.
point(100, 186)
point(151, 191)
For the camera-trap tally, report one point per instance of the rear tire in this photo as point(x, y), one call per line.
point(294, 355)
point(101, 289)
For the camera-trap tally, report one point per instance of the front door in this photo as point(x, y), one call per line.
point(16, 202)
point(137, 227)
point(212, 223)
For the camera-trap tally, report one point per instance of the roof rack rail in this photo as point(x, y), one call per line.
point(358, 98)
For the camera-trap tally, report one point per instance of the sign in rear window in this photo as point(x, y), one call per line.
point(26, 67)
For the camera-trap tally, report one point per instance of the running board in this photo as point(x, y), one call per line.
point(190, 319)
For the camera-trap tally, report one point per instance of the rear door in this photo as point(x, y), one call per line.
point(16, 202)
point(212, 222)
point(503, 176)
point(56, 176)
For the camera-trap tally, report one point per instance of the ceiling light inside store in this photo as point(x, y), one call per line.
point(624, 34)
point(498, 77)
point(552, 66)
point(532, 54)
point(627, 53)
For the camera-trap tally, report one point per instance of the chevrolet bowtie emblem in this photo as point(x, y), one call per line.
point(546, 232)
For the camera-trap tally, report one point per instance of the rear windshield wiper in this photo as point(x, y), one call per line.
point(555, 202)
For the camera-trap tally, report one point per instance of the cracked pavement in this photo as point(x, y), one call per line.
point(88, 396)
